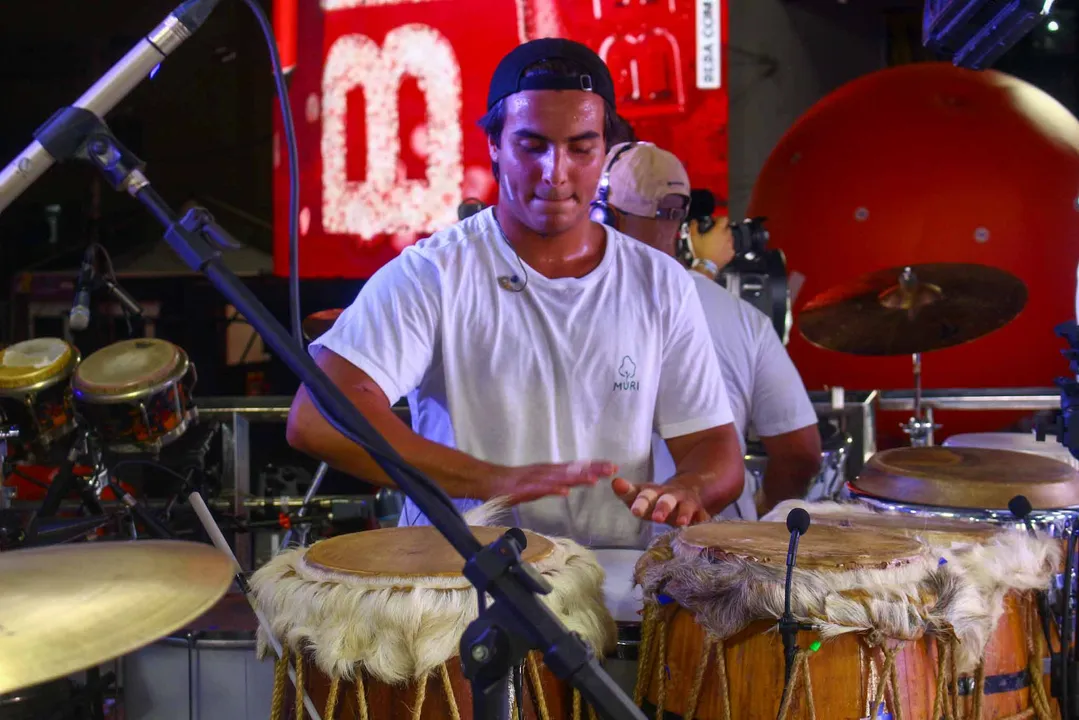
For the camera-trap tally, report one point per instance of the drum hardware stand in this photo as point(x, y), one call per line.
point(218, 539)
point(516, 618)
point(797, 525)
point(316, 481)
point(919, 428)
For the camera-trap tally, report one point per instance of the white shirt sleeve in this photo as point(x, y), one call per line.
point(692, 395)
point(390, 331)
point(780, 402)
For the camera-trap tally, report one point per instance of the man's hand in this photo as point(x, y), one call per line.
point(532, 482)
point(673, 504)
point(716, 245)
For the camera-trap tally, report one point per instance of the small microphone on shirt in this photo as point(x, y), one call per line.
point(513, 283)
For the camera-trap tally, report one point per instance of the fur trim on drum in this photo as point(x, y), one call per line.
point(958, 592)
point(398, 629)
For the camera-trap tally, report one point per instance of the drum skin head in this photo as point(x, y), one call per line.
point(31, 362)
point(128, 366)
point(823, 547)
point(407, 552)
point(968, 478)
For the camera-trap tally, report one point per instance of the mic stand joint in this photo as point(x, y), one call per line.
point(489, 648)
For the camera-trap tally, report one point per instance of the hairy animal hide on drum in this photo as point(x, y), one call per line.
point(398, 629)
point(958, 592)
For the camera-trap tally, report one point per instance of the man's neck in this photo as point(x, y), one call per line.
point(573, 253)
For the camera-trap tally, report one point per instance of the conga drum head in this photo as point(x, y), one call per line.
point(128, 369)
point(35, 364)
point(968, 478)
point(407, 552)
point(933, 530)
point(825, 547)
point(378, 617)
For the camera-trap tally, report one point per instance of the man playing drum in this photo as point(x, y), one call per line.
point(644, 193)
point(538, 350)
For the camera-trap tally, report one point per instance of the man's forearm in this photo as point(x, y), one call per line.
point(786, 478)
point(459, 474)
point(715, 469)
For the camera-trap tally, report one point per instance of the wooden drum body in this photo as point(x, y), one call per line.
point(377, 618)
point(929, 633)
point(136, 394)
point(34, 391)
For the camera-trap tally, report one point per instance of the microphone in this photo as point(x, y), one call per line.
point(80, 307)
point(469, 207)
point(102, 97)
point(797, 525)
point(1021, 508)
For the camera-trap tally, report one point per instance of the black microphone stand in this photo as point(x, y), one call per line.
point(516, 620)
point(797, 524)
point(1065, 427)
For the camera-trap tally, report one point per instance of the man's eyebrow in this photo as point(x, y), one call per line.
point(533, 135)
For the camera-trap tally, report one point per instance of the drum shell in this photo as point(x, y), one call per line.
point(208, 671)
point(840, 671)
point(43, 412)
point(390, 701)
point(145, 420)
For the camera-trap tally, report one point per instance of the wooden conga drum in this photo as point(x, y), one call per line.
point(969, 483)
point(901, 629)
point(376, 619)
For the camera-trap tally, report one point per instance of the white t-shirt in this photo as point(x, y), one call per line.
point(765, 390)
point(568, 369)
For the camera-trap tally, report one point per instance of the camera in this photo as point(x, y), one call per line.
point(750, 236)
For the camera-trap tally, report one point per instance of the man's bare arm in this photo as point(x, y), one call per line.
point(793, 461)
point(459, 474)
point(709, 475)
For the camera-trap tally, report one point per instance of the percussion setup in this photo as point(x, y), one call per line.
point(937, 583)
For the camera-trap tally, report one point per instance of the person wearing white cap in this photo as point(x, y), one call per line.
point(645, 192)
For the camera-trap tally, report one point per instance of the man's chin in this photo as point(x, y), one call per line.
point(555, 223)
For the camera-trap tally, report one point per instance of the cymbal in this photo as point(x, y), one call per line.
point(902, 311)
point(319, 322)
point(66, 608)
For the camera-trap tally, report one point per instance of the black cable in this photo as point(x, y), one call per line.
point(293, 173)
point(27, 478)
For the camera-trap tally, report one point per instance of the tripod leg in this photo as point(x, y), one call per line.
point(311, 491)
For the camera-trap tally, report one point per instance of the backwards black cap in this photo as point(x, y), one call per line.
point(509, 75)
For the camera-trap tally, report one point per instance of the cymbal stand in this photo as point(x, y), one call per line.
point(919, 428)
point(316, 481)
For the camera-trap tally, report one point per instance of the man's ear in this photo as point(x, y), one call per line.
point(492, 149)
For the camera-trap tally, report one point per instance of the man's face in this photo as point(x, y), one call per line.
point(550, 157)
point(662, 234)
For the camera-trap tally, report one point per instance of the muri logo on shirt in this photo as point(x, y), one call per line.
point(627, 371)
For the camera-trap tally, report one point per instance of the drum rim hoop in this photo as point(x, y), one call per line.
point(1001, 517)
point(44, 378)
point(99, 397)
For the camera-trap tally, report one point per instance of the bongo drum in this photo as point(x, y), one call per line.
point(136, 394)
point(900, 630)
point(973, 484)
point(377, 618)
point(34, 392)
